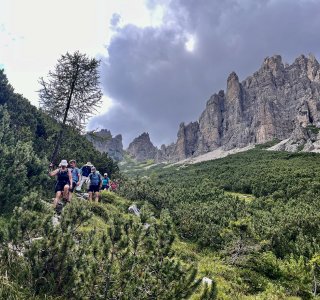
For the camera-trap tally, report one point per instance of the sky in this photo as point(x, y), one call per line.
point(161, 60)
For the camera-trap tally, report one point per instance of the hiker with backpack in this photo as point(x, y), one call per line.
point(76, 177)
point(85, 171)
point(64, 181)
point(105, 182)
point(95, 184)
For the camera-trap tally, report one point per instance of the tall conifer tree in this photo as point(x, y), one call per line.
point(72, 92)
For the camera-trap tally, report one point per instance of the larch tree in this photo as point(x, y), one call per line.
point(71, 93)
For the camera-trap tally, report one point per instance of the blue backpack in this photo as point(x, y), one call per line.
point(95, 179)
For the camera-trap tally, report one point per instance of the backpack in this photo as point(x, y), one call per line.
point(95, 179)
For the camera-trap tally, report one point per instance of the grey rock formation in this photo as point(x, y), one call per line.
point(104, 142)
point(165, 153)
point(141, 148)
point(210, 124)
point(186, 145)
point(187, 142)
point(277, 102)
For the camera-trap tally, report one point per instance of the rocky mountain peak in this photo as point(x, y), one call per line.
point(274, 66)
point(105, 133)
point(221, 93)
point(312, 61)
point(233, 87)
point(313, 68)
point(273, 63)
point(141, 148)
point(104, 142)
point(233, 77)
point(144, 136)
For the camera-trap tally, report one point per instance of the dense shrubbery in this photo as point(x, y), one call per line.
point(126, 260)
point(273, 237)
point(20, 168)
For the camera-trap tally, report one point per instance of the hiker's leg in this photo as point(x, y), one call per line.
point(66, 191)
point(56, 199)
point(97, 196)
point(70, 196)
point(87, 182)
point(71, 190)
point(83, 179)
point(90, 196)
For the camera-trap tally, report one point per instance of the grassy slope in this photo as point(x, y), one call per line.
point(130, 165)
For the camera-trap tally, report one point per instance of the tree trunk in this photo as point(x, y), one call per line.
point(57, 146)
point(63, 127)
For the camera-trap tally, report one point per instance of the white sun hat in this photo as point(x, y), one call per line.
point(64, 163)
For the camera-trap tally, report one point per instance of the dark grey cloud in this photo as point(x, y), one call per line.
point(158, 83)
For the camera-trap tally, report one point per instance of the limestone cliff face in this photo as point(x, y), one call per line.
point(104, 142)
point(186, 146)
point(277, 102)
point(210, 124)
point(141, 148)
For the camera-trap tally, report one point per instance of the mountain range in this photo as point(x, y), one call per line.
point(279, 102)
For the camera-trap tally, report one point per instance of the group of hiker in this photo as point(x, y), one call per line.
point(70, 179)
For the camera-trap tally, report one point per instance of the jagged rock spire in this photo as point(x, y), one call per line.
point(141, 148)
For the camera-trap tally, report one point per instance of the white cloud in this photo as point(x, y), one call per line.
point(106, 104)
point(34, 34)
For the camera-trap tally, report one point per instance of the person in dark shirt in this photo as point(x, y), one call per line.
point(64, 181)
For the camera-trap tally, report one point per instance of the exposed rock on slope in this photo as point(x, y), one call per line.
point(141, 148)
point(104, 142)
